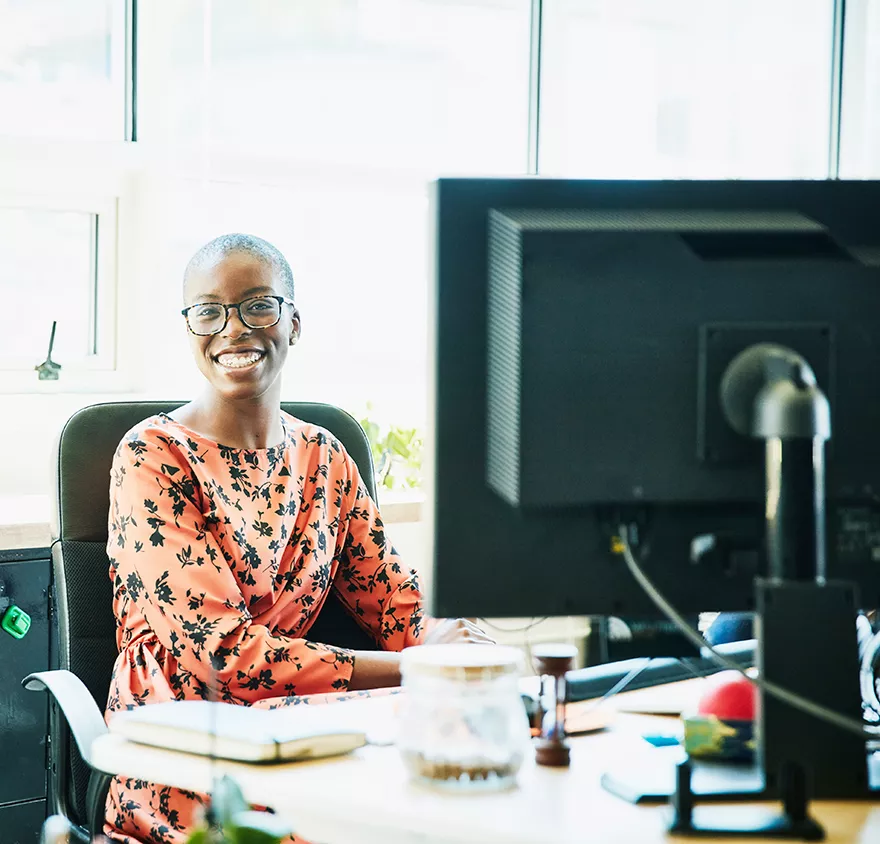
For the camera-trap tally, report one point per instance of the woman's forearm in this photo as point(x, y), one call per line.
point(375, 670)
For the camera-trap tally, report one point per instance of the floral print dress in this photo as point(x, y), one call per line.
point(221, 559)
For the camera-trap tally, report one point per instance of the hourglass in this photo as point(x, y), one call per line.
point(552, 662)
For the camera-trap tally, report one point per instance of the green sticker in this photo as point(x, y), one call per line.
point(16, 622)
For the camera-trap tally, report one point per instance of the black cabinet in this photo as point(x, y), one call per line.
point(25, 577)
point(21, 822)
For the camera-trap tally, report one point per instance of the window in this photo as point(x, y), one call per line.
point(359, 258)
point(58, 265)
point(318, 124)
point(65, 80)
point(686, 88)
point(860, 135)
point(405, 84)
point(62, 68)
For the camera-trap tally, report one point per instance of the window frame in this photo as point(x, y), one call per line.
point(18, 374)
point(855, 159)
point(97, 176)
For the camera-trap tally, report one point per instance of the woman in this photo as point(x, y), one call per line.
point(230, 523)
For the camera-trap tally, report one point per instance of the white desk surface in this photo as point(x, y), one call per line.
point(367, 797)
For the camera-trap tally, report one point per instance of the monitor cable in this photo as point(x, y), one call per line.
point(522, 629)
point(810, 707)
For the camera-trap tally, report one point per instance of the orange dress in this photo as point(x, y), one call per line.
point(221, 559)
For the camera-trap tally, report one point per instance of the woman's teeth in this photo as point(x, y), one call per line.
point(233, 361)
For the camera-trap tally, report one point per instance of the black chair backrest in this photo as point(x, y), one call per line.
point(83, 591)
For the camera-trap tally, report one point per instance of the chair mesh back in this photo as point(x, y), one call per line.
point(84, 593)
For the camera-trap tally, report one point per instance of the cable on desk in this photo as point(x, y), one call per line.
point(527, 645)
point(524, 629)
point(823, 713)
point(621, 684)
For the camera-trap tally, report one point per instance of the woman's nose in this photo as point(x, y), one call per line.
point(234, 325)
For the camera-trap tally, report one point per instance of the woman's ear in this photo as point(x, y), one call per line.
point(295, 328)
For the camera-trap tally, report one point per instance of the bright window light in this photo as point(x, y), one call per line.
point(686, 88)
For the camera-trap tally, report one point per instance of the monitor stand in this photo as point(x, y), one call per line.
point(806, 643)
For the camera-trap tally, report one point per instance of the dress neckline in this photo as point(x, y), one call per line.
point(197, 436)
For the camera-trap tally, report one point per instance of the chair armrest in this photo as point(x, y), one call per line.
point(76, 702)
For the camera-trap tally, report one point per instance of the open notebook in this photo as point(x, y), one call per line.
point(247, 734)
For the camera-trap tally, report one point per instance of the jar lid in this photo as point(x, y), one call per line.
point(464, 661)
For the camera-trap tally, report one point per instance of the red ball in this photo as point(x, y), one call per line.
point(729, 697)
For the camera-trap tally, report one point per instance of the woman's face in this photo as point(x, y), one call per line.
point(241, 362)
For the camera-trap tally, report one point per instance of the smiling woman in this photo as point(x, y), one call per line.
point(230, 524)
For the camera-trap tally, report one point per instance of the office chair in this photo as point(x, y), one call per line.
point(83, 594)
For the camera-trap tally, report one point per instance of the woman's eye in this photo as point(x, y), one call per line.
point(206, 311)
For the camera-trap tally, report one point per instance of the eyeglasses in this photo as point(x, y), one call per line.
point(211, 317)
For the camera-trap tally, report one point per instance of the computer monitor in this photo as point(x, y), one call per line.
point(582, 329)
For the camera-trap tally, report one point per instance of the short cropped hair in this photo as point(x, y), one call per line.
point(261, 250)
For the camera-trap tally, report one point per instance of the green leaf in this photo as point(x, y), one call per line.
point(398, 445)
point(396, 452)
point(258, 828)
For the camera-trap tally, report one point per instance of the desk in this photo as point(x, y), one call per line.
point(366, 797)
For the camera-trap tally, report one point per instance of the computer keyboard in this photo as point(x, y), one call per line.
point(598, 680)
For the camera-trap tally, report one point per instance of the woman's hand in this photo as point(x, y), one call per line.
point(381, 669)
point(458, 631)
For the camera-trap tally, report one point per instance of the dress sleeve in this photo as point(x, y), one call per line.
point(166, 560)
point(371, 580)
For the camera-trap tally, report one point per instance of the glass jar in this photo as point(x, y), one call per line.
point(463, 725)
